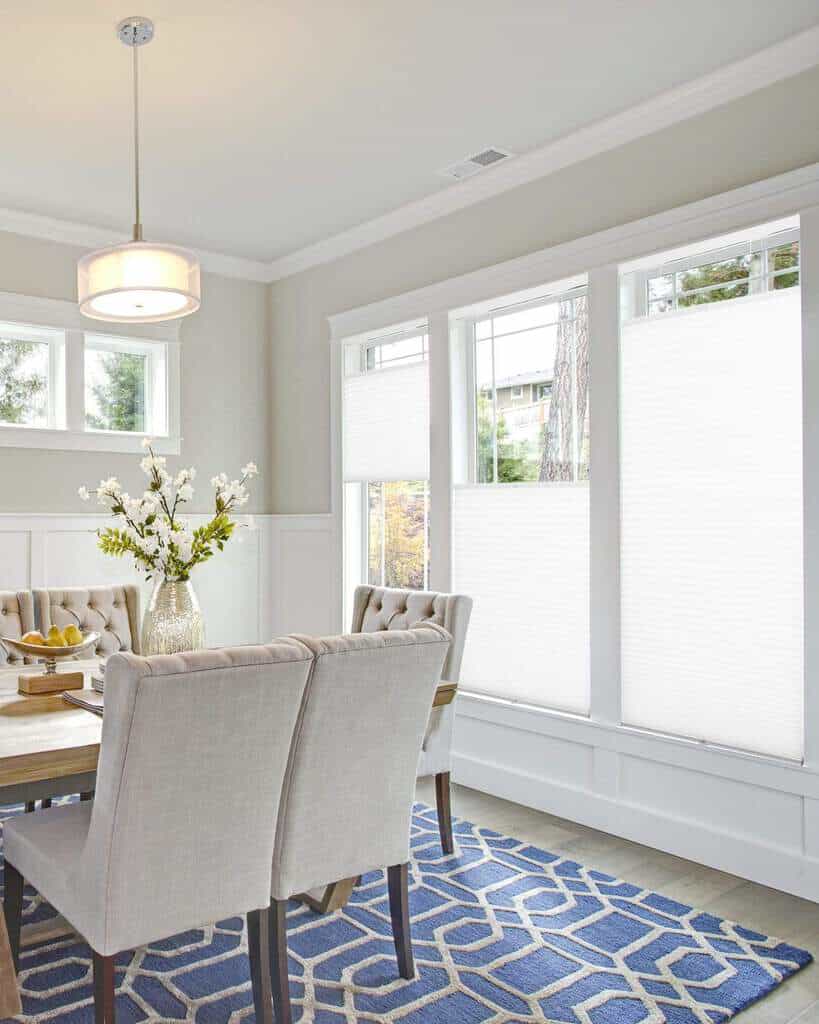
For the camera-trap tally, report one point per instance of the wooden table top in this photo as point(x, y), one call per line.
point(44, 737)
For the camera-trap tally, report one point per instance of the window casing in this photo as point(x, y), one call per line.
point(65, 387)
point(387, 511)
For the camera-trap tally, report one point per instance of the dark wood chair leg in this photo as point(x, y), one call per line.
point(257, 940)
point(104, 989)
point(85, 797)
point(13, 909)
point(277, 942)
point(29, 806)
point(45, 804)
point(444, 811)
point(398, 883)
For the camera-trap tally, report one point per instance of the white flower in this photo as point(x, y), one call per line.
point(152, 462)
point(219, 482)
point(110, 486)
point(84, 493)
point(251, 469)
point(185, 492)
point(146, 443)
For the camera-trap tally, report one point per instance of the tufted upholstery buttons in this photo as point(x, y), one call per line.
point(111, 611)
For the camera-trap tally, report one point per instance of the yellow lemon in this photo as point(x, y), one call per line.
point(34, 637)
point(72, 635)
point(55, 638)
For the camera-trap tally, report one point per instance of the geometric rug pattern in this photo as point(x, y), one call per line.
point(503, 933)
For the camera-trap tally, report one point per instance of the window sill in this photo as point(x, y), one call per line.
point(48, 439)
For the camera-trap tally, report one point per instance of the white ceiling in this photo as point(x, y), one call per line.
point(270, 126)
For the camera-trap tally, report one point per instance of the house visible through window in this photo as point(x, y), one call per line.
point(531, 369)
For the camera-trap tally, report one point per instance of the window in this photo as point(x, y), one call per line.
point(124, 385)
point(386, 459)
point(543, 347)
point(711, 495)
point(30, 378)
point(63, 387)
point(398, 534)
point(734, 269)
point(520, 504)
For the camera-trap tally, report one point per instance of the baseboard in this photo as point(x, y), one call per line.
point(759, 862)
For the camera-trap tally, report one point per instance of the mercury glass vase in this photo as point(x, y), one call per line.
point(173, 620)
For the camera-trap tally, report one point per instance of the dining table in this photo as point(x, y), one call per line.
point(49, 748)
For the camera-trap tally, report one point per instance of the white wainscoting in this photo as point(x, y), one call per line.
point(271, 579)
point(751, 816)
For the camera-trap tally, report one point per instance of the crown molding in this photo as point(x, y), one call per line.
point(775, 63)
point(69, 232)
point(733, 81)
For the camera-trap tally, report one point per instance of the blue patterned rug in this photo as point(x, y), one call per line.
point(503, 933)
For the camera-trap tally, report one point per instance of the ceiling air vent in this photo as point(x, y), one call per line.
point(472, 164)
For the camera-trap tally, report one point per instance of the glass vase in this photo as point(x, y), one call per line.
point(173, 620)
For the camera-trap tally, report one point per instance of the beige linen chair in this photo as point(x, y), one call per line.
point(379, 608)
point(193, 758)
point(111, 611)
point(352, 778)
point(16, 619)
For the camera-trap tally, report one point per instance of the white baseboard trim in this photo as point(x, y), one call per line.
point(756, 861)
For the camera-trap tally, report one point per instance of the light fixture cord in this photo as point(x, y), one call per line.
point(137, 223)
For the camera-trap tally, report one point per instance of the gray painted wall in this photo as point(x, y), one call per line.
point(766, 133)
point(225, 400)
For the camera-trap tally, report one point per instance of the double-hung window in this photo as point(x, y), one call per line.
point(386, 459)
point(520, 503)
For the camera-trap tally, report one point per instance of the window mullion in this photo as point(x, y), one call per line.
point(75, 380)
point(604, 493)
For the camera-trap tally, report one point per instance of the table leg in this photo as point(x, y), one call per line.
point(9, 993)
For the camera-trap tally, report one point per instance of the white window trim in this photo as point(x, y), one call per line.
point(353, 362)
point(599, 255)
point(50, 315)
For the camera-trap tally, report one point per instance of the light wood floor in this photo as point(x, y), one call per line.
point(770, 911)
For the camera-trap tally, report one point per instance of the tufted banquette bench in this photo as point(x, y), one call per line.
point(111, 611)
point(377, 608)
point(16, 619)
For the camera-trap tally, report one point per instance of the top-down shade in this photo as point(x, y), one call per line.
point(386, 424)
point(711, 549)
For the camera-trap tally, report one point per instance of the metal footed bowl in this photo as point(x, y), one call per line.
point(50, 655)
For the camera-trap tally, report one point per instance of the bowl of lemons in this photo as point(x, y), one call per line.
point(54, 646)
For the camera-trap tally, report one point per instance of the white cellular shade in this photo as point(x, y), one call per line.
point(386, 424)
point(522, 553)
point(711, 551)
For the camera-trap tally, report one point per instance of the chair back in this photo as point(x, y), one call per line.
point(16, 619)
point(379, 608)
point(111, 611)
point(194, 753)
point(352, 778)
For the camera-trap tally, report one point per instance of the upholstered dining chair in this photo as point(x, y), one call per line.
point(379, 608)
point(351, 783)
point(16, 619)
point(112, 611)
point(193, 757)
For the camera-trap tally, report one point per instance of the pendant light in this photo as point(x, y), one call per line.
point(138, 282)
